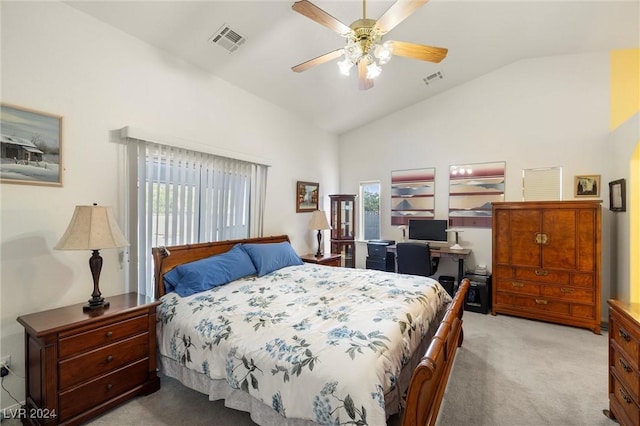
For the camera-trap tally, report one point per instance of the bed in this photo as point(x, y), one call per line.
point(297, 343)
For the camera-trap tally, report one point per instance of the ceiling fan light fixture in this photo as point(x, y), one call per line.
point(353, 51)
point(373, 70)
point(383, 52)
point(345, 66)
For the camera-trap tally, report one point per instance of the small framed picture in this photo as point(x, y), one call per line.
point(31, 147)
point(617, 196)
point(307, 196)
point(587, 186)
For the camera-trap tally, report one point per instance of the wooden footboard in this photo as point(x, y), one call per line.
point(429, 379)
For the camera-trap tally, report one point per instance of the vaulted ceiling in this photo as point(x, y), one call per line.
point(481, 36)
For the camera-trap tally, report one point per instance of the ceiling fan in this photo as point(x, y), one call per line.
point(363, 36)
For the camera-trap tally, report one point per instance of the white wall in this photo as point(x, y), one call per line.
point(58, 60)
point(551, 111)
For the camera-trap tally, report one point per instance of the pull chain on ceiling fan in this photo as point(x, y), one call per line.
point(363, 36)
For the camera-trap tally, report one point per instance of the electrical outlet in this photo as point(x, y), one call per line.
point(5, 361)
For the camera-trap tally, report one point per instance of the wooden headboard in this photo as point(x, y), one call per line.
point(167, 258)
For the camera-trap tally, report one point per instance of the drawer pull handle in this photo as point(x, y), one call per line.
point(624, 335)
point(541, 301)
point(109, 358)
point(109, 386)
point(108, 334)
point(541, 238)
point(566, 290)
point(517, 284)
point(625, 397)
point(624, 366)
point(541, 272)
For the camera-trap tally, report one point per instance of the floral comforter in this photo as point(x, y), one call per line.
point(311, 341)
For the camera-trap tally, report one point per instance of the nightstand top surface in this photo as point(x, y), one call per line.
point(311, 257)
point(57, 319)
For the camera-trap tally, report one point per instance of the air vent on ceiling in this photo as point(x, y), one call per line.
point(432, 78)
point(227, 38)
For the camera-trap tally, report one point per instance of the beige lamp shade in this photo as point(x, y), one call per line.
point(319, 220)
point(92, 228)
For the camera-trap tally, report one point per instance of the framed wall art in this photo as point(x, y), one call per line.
point(617, 196)
point(472, 190)
point(31, 146)
point(586, 186)
point(307, 194)
point(412, 195)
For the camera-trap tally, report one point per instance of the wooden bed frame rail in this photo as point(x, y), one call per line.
point(429, 378)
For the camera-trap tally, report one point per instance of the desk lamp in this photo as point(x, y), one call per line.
point(456, 246)
point(93, 228)
point(319, 222)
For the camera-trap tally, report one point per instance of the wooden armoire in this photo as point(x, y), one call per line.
point(546, 261)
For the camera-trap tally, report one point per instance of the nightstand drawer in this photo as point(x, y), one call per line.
point(628, 376)
point(94, 393)
point(101, 336)
point(624, 400)
point(91, 364)
point(625, 337)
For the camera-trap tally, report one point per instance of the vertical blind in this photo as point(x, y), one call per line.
point(183, 196)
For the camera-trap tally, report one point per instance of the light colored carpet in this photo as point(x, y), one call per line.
point(509, 371)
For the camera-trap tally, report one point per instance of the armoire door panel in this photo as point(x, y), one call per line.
point(559, 250)
point(586, 248)
point(524, 249)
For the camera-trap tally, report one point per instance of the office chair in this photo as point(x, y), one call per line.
point(415, 259)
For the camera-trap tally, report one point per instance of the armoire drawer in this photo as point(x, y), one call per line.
point(572, 294)
point(534, 303)
point(518, 286)
point(542, 275)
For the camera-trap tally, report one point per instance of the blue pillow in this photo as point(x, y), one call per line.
point(270, 257)
point(204, 274)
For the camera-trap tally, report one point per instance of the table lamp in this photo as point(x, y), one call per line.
point(456, 246)
point(403, 228)
point(93, 228)
point(319, 222)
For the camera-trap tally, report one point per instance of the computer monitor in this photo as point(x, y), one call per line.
point(428, 230)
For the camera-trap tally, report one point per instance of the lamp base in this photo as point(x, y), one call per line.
point(95, 304)
point(456, 246)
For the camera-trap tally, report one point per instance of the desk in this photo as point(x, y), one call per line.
point(459, 255)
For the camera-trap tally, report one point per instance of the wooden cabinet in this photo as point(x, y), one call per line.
point(326, 259)
point(79, 364)
point(343, 227)
point(624, 362)
point(546, 261)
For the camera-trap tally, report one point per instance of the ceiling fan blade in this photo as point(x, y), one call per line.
point(364, 83)
point(398, 12)
point(313, 12)
point(318, 60)
point(418, 51)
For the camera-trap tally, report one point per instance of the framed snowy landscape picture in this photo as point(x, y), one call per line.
point(31, 146)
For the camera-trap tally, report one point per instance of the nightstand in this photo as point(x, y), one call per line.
point(326, 259)
point(80, 364)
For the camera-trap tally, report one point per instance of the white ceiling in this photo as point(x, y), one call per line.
point(481, 36)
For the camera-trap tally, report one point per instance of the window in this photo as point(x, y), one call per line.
point(183, 197)
point(370, 210)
